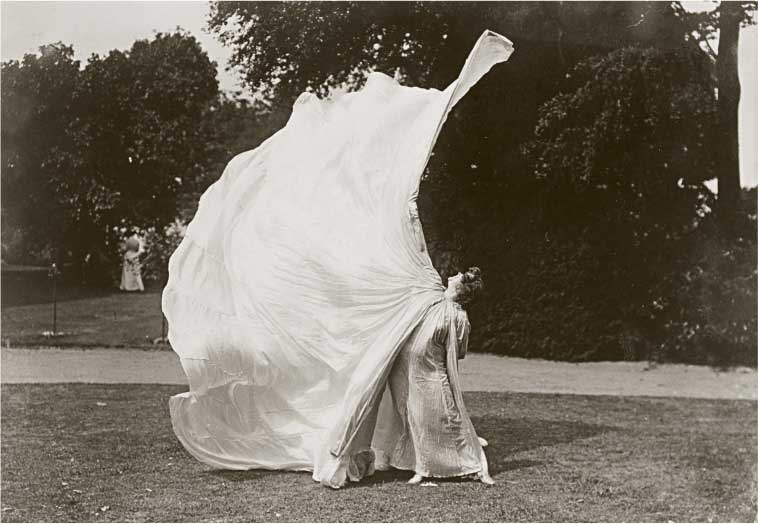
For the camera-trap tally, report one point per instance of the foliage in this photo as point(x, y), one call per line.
point(38, 144)
point(238, 125)
point(87, 150)
point(712, 314)
point(727, 19)
point(160, 244)
point(284, 48)
point(624, 150)
point(621, 258)
point(703, 25)
point(151, 133)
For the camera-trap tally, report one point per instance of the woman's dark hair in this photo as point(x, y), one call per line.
point(471, 285)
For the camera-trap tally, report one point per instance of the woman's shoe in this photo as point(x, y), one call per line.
point(486, 479)
point(416, 479)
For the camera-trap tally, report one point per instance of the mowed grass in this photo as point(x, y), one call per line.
point(555, 458)
point(115, 319)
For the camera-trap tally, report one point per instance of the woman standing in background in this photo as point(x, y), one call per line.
point(131, 270)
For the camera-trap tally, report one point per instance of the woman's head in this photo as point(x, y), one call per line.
point(132, 243)
point(464, 287)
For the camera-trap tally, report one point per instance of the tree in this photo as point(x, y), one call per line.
point(38, 149)
point(86, 152)
point(730, 17)
point(636, 118)
point(149, 110)
point(238, 125)
point(712, 314)
point(284, 48)
point(623, 152)
point(727, 20)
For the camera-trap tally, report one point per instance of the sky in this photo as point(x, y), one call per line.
point(98, 27)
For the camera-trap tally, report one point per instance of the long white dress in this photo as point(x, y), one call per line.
point(427, 429)
point(300, 279)
point(131, 272)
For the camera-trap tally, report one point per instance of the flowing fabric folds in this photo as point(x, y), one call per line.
point(300, 278)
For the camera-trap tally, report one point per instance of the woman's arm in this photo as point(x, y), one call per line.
point(463, 328)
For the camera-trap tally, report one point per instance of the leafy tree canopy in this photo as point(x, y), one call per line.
point(86, 150)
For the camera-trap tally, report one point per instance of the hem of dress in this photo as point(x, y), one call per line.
point(431, 475)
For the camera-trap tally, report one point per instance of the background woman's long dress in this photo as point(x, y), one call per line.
point(131, 272)
point(299, 279)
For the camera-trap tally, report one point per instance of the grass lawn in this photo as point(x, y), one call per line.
point(78, 452)
point(112, 319)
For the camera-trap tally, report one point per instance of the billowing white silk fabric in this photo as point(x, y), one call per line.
point(300, 278)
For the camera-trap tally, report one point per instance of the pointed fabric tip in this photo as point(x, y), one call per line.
point(491, 49)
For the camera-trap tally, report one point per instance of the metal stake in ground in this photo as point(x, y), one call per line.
point(53, 274)
point(163, 339)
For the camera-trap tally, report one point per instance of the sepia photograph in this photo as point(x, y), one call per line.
point(379, 261)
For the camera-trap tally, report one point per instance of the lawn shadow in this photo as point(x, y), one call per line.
point(20, 293)
point(513, 435)
point(512, 465)
point(246, 475)
point(508, 436)
point(379, 477)
point(35, 288)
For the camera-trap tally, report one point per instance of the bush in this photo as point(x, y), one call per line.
point(159, 246)
point(713, 313)
point(610, 251)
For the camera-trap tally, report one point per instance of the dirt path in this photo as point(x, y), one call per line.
point(480, 372)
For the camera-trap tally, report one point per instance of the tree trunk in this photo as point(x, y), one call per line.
point(728, 103)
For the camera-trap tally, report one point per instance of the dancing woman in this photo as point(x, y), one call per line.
point(435, 437)
point(301, 281)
